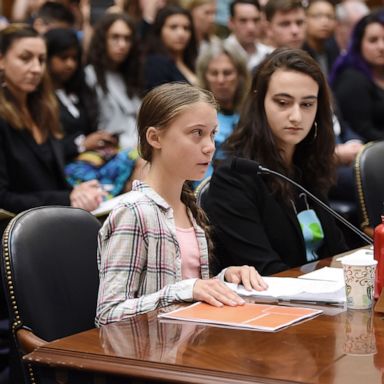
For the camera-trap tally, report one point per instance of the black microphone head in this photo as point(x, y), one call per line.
point(245, 166)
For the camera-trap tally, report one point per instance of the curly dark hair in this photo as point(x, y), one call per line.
point(155, 43)
point(130, 68)
point(313, 160)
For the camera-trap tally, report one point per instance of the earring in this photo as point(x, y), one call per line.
point(315, 134)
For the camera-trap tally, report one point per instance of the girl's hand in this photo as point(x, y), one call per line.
point(248, 276)
point(216, 293)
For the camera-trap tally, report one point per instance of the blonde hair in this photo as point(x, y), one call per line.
point(159, 108)
point(215, 49)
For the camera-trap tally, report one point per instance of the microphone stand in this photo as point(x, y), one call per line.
point(322, 204)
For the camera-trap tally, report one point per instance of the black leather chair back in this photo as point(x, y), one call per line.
point(201, 190)
point(369, 172)
point(49, 266)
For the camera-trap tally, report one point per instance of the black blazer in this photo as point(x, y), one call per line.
point(160, 69)
point(252, 228)
point(72, 128)
point(26, 180)
point(361, 103)
point(331, 52)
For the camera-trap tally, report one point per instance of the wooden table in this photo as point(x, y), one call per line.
point(339, 346)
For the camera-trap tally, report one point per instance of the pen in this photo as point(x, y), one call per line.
point(335, 303)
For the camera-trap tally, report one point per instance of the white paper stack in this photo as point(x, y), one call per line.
point(325, 285)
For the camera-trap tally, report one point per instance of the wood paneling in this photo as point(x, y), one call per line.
point(6, 7)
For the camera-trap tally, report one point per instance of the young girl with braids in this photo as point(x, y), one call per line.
point(153, 248)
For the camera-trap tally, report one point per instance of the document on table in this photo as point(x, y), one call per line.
point(262, 317)
point(106, 206)
point(324, 286)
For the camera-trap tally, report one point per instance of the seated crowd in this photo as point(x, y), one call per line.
point(148, 98)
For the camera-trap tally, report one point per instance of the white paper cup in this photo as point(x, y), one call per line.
point(359, 276)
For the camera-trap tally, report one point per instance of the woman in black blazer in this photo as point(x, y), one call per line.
point(31, 162)
point(285, 125)
point(171, 48)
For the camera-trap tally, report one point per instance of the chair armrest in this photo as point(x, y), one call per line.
point(28, 340)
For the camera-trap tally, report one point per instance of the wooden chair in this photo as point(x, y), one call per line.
point(50, 276)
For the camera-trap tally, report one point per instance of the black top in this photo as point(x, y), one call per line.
point(31, 175)
point(161, 69)
point(73, 127)
point(252, 228)
point(361, 103)
point(330, 54)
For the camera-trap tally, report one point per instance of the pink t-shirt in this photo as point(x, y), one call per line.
point(190, 253)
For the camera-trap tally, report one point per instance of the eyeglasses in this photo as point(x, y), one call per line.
point(319, 16)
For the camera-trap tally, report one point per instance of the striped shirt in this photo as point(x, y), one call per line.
point(139, 258)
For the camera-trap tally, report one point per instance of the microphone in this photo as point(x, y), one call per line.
point(250, 167)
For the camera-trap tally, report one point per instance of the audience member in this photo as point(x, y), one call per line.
point(321, 23)
point(142, 10)
point(143, 13)
point(31, 162)
point(348, 13)
point(285, 125)
point(285, 23)
point(114, 71)
point(23, 10)
point(172, 49)
point(358, 78)
point(53, 15)
point(153, 248)
point(245, 25)
point(203, 15)
point(120, 6)
point(348, 145)
point(77, 102)
point(90, 154)
point(223, 71)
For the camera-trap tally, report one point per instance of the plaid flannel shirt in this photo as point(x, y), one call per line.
point(139, 258)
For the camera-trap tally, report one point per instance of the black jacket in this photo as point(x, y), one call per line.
point(361, 103)
point(27, 179)
point(252, 228)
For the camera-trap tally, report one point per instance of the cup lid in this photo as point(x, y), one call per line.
point(360, 261)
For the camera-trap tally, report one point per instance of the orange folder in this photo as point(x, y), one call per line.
point(264, 317)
